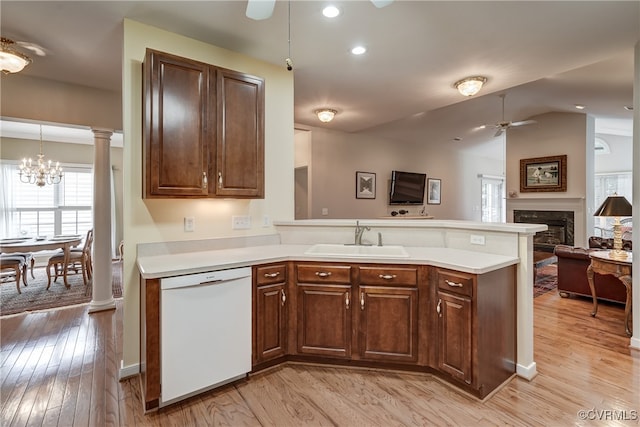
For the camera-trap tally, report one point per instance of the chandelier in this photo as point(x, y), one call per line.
point(41, 173)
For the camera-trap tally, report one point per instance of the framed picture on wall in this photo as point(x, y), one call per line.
point(543, 174)
point(365, 185)
point(433, 191)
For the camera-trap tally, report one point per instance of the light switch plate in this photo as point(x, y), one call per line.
point(189, 223)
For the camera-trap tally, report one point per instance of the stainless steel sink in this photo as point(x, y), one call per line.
point(361, 251)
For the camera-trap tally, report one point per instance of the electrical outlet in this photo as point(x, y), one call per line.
point(266, 221)
point(240, 222)
point(325, 211)
point(189, 223)
point(477, 239)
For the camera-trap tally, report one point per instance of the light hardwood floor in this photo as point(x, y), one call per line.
point(60, 367)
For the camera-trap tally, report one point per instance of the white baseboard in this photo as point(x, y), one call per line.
point(128, 371)
point(527, 372)
point(635, 343)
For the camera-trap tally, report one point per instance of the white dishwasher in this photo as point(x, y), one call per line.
point(205, 331)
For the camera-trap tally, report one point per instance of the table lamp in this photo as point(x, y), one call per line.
point(615, 206)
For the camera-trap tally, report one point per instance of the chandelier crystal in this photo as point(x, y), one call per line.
point(42, 172)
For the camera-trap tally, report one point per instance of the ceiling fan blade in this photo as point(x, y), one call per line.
point(381, 3)
point(523, 122)
point(260, 9)
point(35, 48)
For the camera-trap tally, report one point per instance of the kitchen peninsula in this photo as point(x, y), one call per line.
point(446, 307)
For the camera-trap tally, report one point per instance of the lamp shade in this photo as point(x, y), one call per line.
point(614, 206)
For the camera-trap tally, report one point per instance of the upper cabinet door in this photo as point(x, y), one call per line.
point(176, 128)
point(240, 135)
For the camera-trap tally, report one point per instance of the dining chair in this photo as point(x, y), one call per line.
point(80, 261)
point(13, 266)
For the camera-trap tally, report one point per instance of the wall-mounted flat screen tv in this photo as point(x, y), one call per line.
point(407, 188)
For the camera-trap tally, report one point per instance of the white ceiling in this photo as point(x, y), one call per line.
point(545, 55)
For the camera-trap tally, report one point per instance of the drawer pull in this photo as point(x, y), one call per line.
point(205, 182)
point(219, 179)
point(453, 284)
point(438, 307)
point(283, 296)
point(361, 300)
point(387, 276)
point(346, 299)
point(271, 275)
point(323, 273)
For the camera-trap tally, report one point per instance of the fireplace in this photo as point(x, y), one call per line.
point(560, 223)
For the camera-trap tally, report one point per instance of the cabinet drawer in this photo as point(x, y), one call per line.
point(271, 274)
point(389, 276)
point(318, 273)
point(456, 282)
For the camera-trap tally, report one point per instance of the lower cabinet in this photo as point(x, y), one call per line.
point(270, 312)
point(476, 327)
point(425, 318)
point(324, 310)
point(387, 314)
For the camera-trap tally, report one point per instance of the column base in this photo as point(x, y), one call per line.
point(95, 306)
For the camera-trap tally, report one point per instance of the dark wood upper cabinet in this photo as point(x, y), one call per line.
point(203, 130)
point(240, 143)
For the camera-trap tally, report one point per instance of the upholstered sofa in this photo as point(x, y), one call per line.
point(572, 271)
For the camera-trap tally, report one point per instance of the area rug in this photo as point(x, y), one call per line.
point(35, 296)
point(546, 280)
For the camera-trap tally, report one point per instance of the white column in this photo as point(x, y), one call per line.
point(102, 269)
point(525, 365)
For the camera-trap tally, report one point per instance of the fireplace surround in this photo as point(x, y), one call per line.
point(561, 227)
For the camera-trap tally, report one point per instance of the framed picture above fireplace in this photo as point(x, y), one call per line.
point(543, 174)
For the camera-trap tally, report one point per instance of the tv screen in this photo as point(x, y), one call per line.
point(407, 188)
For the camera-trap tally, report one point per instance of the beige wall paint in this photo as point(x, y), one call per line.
point(44, 100)
point(162, 220)
point(336, 156)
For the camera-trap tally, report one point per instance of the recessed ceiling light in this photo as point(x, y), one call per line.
point(358, 50)
point(331, 11)
point(580, 106)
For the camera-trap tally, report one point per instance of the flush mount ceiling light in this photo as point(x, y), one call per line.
point(325, 115)
point(331, 11)
point(358, 50)
point(11, 61)
point(470, 85)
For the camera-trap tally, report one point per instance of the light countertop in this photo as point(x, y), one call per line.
point(158, 266)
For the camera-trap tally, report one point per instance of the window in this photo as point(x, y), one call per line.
point(493, 201)
point(64, 208)
point(605, 185)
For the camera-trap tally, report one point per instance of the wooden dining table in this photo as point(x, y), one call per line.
point(36, 245)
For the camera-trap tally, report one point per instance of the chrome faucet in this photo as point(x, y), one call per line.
point(359, 232)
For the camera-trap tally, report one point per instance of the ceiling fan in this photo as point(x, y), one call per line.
point(263, 9)
point(503, 125)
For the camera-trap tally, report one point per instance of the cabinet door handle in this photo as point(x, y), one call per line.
point(205, 182)
point(271, 275)
point(361, 300)
point(387, 276)
point(219, 179)
point(323, 273)
point(283, 296)
point(438, 307)
point(453, 284)
point(346, 299)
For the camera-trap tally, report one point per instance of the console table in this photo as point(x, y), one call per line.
point(602, 264)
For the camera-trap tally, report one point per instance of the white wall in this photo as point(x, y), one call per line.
point(337, 156)
point(620, 158)
point(162, 220)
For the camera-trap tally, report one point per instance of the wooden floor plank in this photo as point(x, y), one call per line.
point(53, 364)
